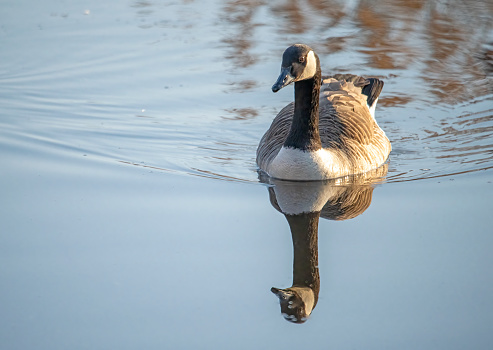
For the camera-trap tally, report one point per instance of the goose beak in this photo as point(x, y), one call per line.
point(285, 78)
point(281, 293)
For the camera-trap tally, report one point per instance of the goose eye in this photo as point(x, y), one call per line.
point(302, 59)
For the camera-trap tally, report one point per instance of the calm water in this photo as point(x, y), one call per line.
point(132, 215)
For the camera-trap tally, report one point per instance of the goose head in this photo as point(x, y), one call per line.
point(296, 303)
point(299, 62)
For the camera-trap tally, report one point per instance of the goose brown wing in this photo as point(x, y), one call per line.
point(272, 141)
point(345, 120)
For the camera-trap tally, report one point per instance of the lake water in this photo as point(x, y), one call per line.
point(132, 214)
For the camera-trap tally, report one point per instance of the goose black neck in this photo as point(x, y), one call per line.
point(304, 133)
point(304, 232)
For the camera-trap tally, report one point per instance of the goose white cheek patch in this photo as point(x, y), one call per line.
point(311, 67)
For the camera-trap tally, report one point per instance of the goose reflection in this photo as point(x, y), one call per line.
point(303, 203)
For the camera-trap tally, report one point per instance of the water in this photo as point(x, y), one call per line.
point(132, 214)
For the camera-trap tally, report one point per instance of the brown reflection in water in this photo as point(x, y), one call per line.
point(291, 11)
point(394, 101)
point(240, 13)
point(303, 203)
point(300, 16)
point(242, 113)
point(443, 36)
point(443, 41)
point(242, 85)
point(455, 33)
point(384, 46)
point(486, 57)
point(144, 8)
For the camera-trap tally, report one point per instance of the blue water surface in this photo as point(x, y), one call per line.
point(132, 215)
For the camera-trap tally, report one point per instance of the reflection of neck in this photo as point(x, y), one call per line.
point(304, 231)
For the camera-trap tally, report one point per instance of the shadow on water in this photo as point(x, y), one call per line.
point(303, 204)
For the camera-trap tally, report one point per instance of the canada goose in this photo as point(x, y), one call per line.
point(329, 131)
